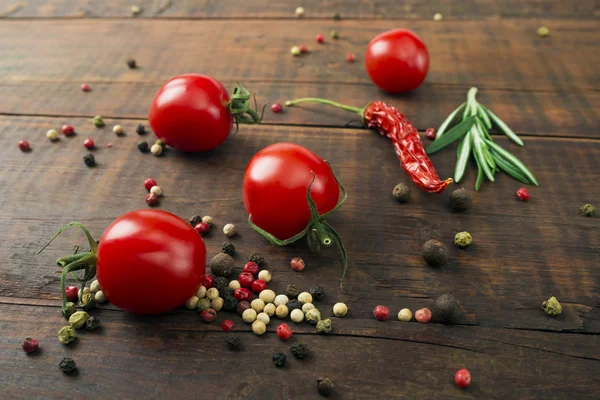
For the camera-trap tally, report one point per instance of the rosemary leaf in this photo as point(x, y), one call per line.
point(462, 157)
point(505, 166)
point(479, 176)
point(453, 134)
point(482, 129)
point(479, 155)
point(514, 160)
point(484, 117)
point(448, 121)
point(503, 127)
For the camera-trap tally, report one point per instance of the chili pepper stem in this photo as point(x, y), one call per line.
point(356, 110)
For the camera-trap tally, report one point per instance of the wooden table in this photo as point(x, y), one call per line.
point(546, 89)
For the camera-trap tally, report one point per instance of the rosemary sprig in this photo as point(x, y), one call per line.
point(472, 128)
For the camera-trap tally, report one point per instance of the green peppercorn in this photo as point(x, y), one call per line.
point(435, 253)
point(460, 200)
point(203, 304)
point(98, 121)
point(292, 291)
point(67, 365)
point(313, 316)
point(552, 307)
point(221, 265)
point(588, 210)
point(69, 309)
point(78, 319)
point(93, 323)
point(279, 360)
point(89, 160)
point(66, 335)
point(230, 303)
point(447, 309)
point(317, 292)
point(401, 193)
point(257, 258)
point(324, 326)
point(234, 342)
point(221, 282)
point(142, 146)
point(337, 17)
point(325, 386)
point(228, 248)
point(463, 239)
point(88, 301)
point(300, 350)
point(140, 130)
point(334, 34)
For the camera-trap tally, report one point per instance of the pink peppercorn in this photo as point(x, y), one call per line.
point(24, 145)
point(284, 332)
point(71, 293)
point(381, 313)
point(149, 183)
point(523, 194)
point(276, 108)
point(320, 38)
point(297, 264)
point(85, 87)
point(227, 325)
point(108, 145)
point(423, 315)
point(208, 281)
point(246, 279)
point(67, 130)
point(303, 48)
point(350, 57)
point(430, 134)
point(462, 378)
point(30, 345)
point(88, 143)
point(259, 285)
point(202, 228)
point(151, 199)
point(251, 267)
point(242, 294)
point(208, 315)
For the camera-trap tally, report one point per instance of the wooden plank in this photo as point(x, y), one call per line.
point(502, 279)
point(177, 356)
point(315, 9)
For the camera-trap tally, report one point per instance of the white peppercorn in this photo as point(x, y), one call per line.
point(201, 293)
point(270, 309)
point(405, 315)
point(297, 316)
point(192, 303)
point(229, 230)
point(249, 316)
point(100, 297)
point(281, 311)
point(118, 129)
point(265, 275)
point(212, 293)
point(234, 284)
point(156, 149)
point(307, 307)
point(264, 317)
point(299, 12)
point(157, 190)
point(281, 299)
point(313, 316)
point(207, 219)
point(340, 310)
point(217, 304)
point(257, 305)
point(305, 297)
point(95, 286)
point(267, 295)
point(259, 328)
point(52, 134)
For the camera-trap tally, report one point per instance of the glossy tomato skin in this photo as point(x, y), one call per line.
point(275, 184)
point(189, 113)
point(397, 60)
point(150, 261)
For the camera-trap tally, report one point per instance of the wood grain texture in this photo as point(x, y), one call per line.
point(176, 356)
point(315, 9)
point(502, 279)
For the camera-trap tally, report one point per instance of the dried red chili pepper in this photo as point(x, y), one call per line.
point(390, 122)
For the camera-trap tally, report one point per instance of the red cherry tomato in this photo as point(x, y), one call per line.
point(275, 185)
point(397, 60)
point(190, 113)
point(150, 251)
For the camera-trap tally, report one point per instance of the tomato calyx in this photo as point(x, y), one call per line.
point(76, 261)
point(239, 106)
point(318, 232)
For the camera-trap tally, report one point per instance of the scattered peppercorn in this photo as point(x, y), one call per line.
point(194, 219)
point(30, 345)
point(160, 143)
point(307, 307)
point(85, 87)
point(300, 350)
point(67, 365)
point(131, 63)
point(268, 296)
point(588, 210)
point(69, 309)
point(213, 292)
point(88, 301)
point(259, 328)
point(201, 293)
point(297, 264)
point(89, 160)
point(257, 258)
point(241, 307)
point(337, 17)
point(401, 193)
point(270, 309)
point(222, 264)
point(325, 386)
point(435, 253)
point(523, 194)
point(265, 275)
point(157, 190)
point(294, 304)
point(89, 143)
point(313, 316)
point(299, 12)
point(284, 332)
point(350, 57)
point(227, 325)
point(438, 17)
point(229, 230)
point(381, 313)
point(140, 129)
point(67, 130)
point(249, 316)
point(324, 326)
point(118, 130)
point(246, 279)
point(462, 378)
point(259, 285)
point(149, 183)
point(291, 291)
point(257, 305)
point(430, 134)
point(24, 145)
point(234, 284)
point(151, 199)
point(303, 49)
point(460, 200)
point(208, 315)
point(320, 38)
point(95, 286)
point(552, 307)
point(252, 268)
point(142, 146)
point(340, 310)
point(135, 10)
point(282, 311)
point(295, 50)
point(463, 239)
point(334, 34)
point(317, 292)
point(78, 319)
point(156, 150)
point(217, 304)
point(543, 31)
point(71, 293)
point(203, 304)
point(52, 134)
point(447, 309)
point(423, 315)
point(93, 323)
point(192, 303)
point(305, 297)
point(66, 335)
point(226, 292)
point(228, 248)
point(404, 315)
point(279, 360)
point(297, 316)
point(233, 342)
point(264, 317)
point(98, 121)
point(276, 108)
point(230, 303)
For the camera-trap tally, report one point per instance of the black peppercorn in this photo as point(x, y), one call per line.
point(317, 292)
point(142, 146)
point(300, 350)
point(140, 130)
point(220, 283)
point(228, 248)
point(226, 292)
point(435, 253)
point(230, 303)
point(195, 220)
point(293, 304)
point(131, 63)
point(233, 342)
point(93, 323)
point(325, 386)
point(89, 160)
point(401, 193)
point(279, 360)
point(67, 365)
point(242, 306)
point(257, 258)
point(292, 291)
point(460, 200)
point(447, 309)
